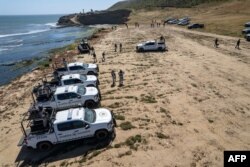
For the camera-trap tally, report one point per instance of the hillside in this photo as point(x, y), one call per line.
point(225, 18)
point(141, 4)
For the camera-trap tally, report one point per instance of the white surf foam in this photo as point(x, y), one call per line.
point(25, 33)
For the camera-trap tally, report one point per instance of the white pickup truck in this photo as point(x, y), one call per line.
point(77, 79)
point(151, 46)
point(67, 125)
point(69, 96)
point(77, 68)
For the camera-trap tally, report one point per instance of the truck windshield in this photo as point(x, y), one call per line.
point(85, 65)
point(89, 115)
point(81, 89)
point(83, 77)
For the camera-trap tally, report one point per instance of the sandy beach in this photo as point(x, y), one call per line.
point(186, 106)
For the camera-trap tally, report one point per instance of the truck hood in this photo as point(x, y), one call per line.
point(91, 91)
point(140, 44)
point(103, 115)
point(92, 66)
point(91, 78)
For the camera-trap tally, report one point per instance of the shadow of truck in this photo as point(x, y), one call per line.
point(31, 157)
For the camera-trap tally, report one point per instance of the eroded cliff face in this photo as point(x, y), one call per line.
point(67, 20)
point(103, 17)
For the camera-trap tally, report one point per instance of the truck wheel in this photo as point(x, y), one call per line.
point(91, 73)
point(44, 146)
point(141, 50)
point(160, 49)
point(90, 104)
point(101, 134)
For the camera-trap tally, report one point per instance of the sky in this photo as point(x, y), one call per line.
point(29, 7)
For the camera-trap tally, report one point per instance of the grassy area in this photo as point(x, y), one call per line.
point(225, 18)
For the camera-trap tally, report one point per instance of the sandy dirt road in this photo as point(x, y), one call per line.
point(187, 105)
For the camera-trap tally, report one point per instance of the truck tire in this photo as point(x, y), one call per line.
point(141, 50)
point(44, 146)
point(160, 49)
point(90, 73)
point(90, 104)
point(101, 134)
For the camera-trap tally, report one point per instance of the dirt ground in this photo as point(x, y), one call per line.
point(180, 108)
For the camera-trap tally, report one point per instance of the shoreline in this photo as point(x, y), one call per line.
point(42, 60)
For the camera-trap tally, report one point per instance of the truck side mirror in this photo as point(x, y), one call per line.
point(87, 126)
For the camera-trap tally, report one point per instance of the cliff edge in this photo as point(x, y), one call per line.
point(92, 18)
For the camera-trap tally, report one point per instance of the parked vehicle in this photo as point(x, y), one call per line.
point(151, 46)
point(184, 18)
point(183, 22)
point(77, 68)
point(196, 25)
point(68, 125)
point(66, 97)
point(247, 24)
point(247, 36)
point(246, 31)
point(173, 21)
point(168, 19)
point(77, 79)
point(83, 47)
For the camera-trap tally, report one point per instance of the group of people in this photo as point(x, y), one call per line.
point(121, 78)
point(216, 43)
point(154, 22)
point(116, 47)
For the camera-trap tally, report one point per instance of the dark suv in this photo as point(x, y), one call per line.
point(196, 26)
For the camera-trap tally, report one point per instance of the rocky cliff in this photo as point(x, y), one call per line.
point(102, 17)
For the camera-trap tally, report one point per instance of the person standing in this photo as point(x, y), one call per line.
point(216, 44)
point(113, 75)
point(103, 56)
point(126, 25)
point(120, 47)
point(65, 63)
point(115, 47)
point(121, 77)
point(237, 44)
point(94, 57)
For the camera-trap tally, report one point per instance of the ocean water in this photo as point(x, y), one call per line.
point(25, 38)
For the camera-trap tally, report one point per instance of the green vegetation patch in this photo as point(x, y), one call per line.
point(148, 99)
point(161, 135)
point(119, 117)
point(131, 141)
point(126, 125)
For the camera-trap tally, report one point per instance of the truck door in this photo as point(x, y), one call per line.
point(62, 101)
point(149, 46)
point(75, 99)
point(72, 130)
point(78, 69)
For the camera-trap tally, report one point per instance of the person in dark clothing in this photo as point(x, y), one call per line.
point(237, 44)
point(113, 75)
point(126, 25)
point(121, 77)
point(94, 57)
point(115, 47)
point(162, 39)
point(65, 63)
point(216, 44)
point(103, 56)
point(120, 47)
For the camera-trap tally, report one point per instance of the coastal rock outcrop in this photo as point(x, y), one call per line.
point(92, 18)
